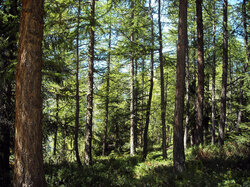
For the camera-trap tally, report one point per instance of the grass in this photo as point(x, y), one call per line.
point(205, 166)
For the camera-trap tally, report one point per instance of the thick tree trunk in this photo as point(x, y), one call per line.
point(163, 106)
point(89, 116)
point(28, 169)
point(178, 152)
point(77, 88)
point(213, 76)
point(145, 135)
point(200, 87)
point(104, 146)
point(223, 106)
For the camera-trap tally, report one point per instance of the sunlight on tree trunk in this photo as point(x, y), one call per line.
point(28, 169)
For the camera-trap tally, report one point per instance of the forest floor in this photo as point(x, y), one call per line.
point(205, 166)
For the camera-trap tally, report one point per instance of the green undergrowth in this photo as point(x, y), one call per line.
point(205, 166)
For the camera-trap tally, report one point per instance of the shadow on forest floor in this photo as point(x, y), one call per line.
point(201, 170)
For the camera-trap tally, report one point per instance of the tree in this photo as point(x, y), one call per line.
point(187, 101)
point(77, 86)
point(224, 77)
point(213, 76)
point(178, 152)
point(28, 169)
point(89, 116)
point(145, 135)
point(200, 87)
point(132, 94)
point(163, 103)
point(244, 15)
point(104, 147)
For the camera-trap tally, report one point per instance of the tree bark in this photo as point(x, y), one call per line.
point(200, 87)
point(89, 116)
point(145, 135)
point(213, 75)
point(178, 150)
point(78, 160)
point(163, 106)
point(224, 77)
point(28, 170)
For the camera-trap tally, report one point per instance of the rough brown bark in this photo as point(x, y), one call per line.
point(28, 170)
point(77, 88)
point(178, 150)
point(163, 105)
point(145, 135)
point(224, 77)
point(200, 87)
point(89, 116)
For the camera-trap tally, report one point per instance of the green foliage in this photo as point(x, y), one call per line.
point(205, 166)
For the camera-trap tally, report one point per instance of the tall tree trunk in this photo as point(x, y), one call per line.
point(200, 87)
point(193, 125)
point(132, 95)
point(136, 101)
point(78, 160)
point(104, 146)
point(213, 75)
point(178, 152)
point(231, 95)
point(89, 116)
point(142, 103)
point(224, 77)
point(28, 170)
point(187, 101)
point(163, 106)
point(145, 135)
